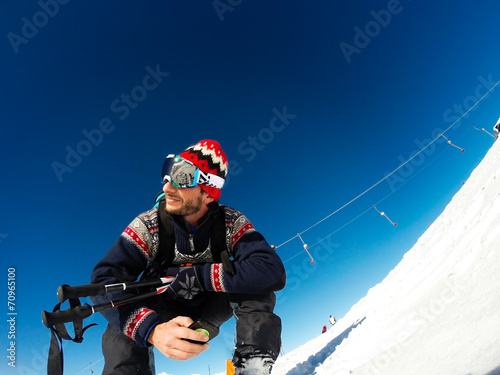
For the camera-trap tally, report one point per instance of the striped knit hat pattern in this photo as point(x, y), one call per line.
point(209, 157)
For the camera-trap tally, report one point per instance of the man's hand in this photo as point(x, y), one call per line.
point(167, 338)
point(187, 283)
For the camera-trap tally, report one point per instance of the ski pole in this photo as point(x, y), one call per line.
point(50, 319)
point(65, 292)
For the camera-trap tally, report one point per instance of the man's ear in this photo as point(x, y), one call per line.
point(207, 199)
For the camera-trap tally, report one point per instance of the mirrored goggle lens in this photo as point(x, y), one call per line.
point(179, 172)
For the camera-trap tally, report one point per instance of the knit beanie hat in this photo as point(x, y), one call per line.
point(209, 157)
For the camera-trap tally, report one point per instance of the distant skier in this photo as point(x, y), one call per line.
point(332, 320)
point(324, 329)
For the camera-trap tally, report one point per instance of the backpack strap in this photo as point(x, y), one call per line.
point(166, 247)
point(218, 241)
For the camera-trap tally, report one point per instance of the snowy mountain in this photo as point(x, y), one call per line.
point(438, 311)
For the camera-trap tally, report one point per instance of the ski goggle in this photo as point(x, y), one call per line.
point(181, 173)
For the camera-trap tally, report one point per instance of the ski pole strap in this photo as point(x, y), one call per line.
point(55, 364)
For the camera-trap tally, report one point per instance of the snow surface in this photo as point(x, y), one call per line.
point(438, 311)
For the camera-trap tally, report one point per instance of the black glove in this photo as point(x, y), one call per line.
point(188, 282)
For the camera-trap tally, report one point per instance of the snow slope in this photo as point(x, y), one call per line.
point(438, 311)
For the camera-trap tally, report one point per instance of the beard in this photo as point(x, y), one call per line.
point(188, 207)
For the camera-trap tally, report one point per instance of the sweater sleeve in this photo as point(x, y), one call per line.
point(124, 262)
point(257, 267)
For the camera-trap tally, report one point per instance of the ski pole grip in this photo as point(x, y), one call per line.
point(65, 292)
point(50, 319)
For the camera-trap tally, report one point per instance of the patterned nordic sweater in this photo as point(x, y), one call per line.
point(257, 266)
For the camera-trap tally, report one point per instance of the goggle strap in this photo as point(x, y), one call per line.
point(210, 179)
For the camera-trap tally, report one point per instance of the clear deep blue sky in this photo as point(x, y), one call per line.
point(313, 102)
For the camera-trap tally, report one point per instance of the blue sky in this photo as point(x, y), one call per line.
point(313, 102)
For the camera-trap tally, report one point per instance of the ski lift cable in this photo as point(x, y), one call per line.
point(395, 170)
point(371, 207)
point(294, 256)
point(340, 228)
point(86, 368)
point(329, 235)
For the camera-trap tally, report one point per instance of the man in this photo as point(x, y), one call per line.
point(203, 287)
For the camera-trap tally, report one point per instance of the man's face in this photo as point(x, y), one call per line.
point(185, 202)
